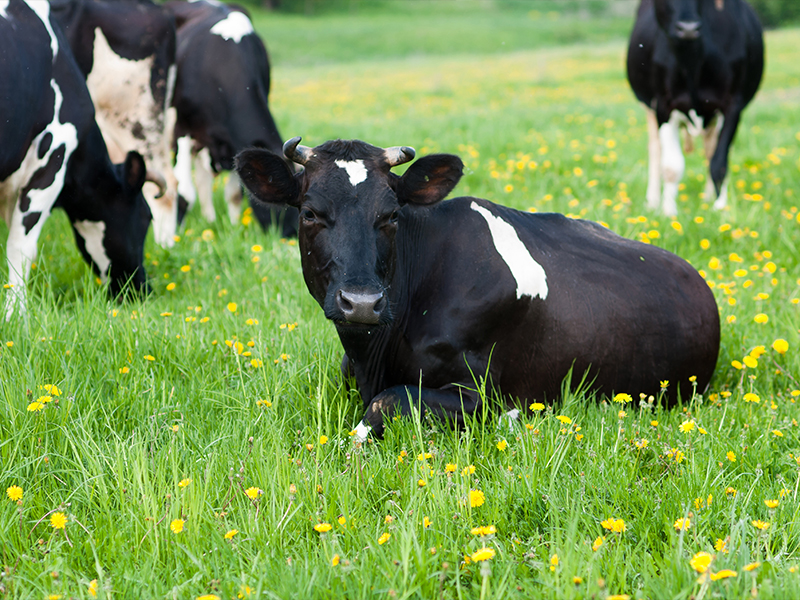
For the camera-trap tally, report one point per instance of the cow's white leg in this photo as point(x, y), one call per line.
point(165, 215)
point(653, 161)
point(233, 197)
point(673, 163)
point(20, 254)
point(183, 170)
point(204, 178)
point(710, 141)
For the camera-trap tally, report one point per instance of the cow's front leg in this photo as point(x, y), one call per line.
point(719, 161)
point(450, 403)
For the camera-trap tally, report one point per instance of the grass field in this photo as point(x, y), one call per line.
point(199, 443)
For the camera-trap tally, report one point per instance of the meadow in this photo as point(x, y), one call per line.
point(197, 443)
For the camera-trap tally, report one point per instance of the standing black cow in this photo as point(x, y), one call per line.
point(52, 154)
point(221, 96)
point(695, 63)
point(428, 295)
point(126, 51)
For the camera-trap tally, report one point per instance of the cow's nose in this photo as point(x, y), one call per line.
point(688, 30)
point(360, 307)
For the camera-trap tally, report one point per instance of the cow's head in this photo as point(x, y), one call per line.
point(350, 210)
point(681, 20)
point(112, 237)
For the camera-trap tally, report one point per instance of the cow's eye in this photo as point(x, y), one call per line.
point(394, 217)
point(308, 215)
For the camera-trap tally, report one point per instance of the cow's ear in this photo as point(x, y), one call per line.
point(267, 177)
point(134, 171)
point(429, 179)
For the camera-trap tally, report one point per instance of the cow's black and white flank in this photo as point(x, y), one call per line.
point(693, 63)
point(52, 154)
point(126, 51)
point(221, 96)
point(427, 296)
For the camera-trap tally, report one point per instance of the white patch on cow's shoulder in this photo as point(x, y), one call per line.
point(42, 10)
point(362, 433)
point(233, 27)
point(93, 233)
point(530, 276)
point(356, 170)
point(3, 7)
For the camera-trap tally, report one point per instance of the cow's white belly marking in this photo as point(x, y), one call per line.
point(356, 170)
point(93, 233)
point(529, 275)
point(233, 27)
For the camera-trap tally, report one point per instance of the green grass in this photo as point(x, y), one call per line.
point(546, 129)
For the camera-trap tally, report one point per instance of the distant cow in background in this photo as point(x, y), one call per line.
point(695, 63)
point(429, 296)
point(221, 97)
point(126, 51)
point(53, 154)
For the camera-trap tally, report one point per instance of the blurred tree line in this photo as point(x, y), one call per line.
point(773, 13)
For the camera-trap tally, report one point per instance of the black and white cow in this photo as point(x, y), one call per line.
point(427, 296)
point(52, 154)
point(126, 51)
point(221, 96)
point(695, 63)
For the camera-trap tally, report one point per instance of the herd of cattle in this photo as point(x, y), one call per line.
point(97, 95)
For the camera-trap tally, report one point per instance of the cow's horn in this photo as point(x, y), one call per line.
point(158, 179)
point(397, 155)
point(294, 152)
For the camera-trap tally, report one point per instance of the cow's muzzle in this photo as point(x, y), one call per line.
point(687, 30)
point(363, 308)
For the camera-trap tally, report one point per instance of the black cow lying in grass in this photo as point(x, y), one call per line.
point(428, 295)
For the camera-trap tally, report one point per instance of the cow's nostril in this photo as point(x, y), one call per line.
point(688, 30)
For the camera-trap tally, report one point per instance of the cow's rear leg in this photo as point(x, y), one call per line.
point(204, 178)
point(720, 137)
point(21, 253)
point(183, 171)
point(653, 161)
point(673, 163)
point(233, 197)
point(449, 403)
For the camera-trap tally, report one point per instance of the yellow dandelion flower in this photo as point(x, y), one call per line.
point(780, 346)
point(335, 560)
point(177, 526)
point(184, 482)
point(731, 456)
point(171, 286)
point(598, 542)
point(751, 397)
point(564, 419)
point(469, 470)
point(483, 530)
point(723, 574)
point(341, 520)
point(687, 426)
point(92, 589)
point(623, 398)
point(721, 546)
point(537, 407)
point(384, 538)
point(149, 357)
point(422, 483)
point(760, 525)
point(752, 566)
point(777, 433)
point(553, 562)
point(232, 306)
point(35, 406)
point(14, 493)
point(323, 527)
point(229, 535)
point(58, 520)
point(701, 561)
point(482, 554)
point(761, 318)
point(323, 439)
point(253, 492)
point(208, 597)
point(450, 468)
point(51, 389)
point(476, 498)
point(771, 503)
point(502, 445)
point(682, 524)
point(619, 597)
point(124, 370)
point(577, 580)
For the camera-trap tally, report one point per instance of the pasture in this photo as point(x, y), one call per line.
point(198, 443)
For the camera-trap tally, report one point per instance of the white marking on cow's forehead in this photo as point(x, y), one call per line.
point(530, 276)
point(42, 10)
point(93, 233)
point(356, 170)
point(233, 27)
